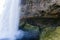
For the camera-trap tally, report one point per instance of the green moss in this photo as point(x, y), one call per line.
point(51, 35)
point(31, 27)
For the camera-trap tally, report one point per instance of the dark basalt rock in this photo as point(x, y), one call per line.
point(40, 8)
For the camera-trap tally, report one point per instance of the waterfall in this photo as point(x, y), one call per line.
point(9, 19)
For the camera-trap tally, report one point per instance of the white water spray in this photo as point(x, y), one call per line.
point(9, 18)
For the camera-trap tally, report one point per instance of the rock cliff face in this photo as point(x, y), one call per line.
point(41, 16)
point(40, 8)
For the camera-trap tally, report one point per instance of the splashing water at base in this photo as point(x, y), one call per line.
point(9, 19)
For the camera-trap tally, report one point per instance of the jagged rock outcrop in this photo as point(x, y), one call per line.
point(36, 9)
point(40, 8)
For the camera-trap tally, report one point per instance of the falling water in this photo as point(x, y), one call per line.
point(9, 19)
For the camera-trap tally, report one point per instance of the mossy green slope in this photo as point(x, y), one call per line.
point(51, 35)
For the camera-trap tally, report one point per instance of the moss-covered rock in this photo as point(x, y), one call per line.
point(51, 34)
point(31, 27)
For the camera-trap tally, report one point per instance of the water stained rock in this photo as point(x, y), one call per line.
point(41, 7)
point(40, 15)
